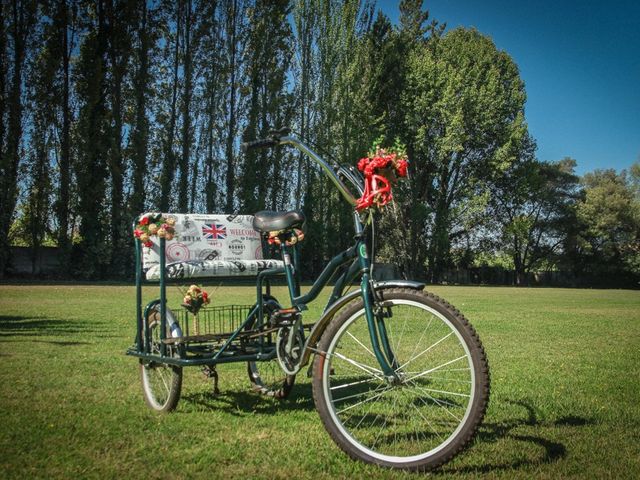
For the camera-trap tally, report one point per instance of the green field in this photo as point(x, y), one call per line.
point(565, 398)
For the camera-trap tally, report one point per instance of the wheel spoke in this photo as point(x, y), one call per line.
point(431, 377)
point(447, 393)
point(356, 395)
point(345, 385)
point(427, 372)
point(365, 368)
point(365, 401)
point(361, 344)
point(417, 345)
point(425, 419)
point(164, 382)
point(440, 402)
point(424, 351)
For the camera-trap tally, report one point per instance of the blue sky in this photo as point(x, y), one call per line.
point(580, 61)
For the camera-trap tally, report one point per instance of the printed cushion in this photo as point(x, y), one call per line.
point(208, 245)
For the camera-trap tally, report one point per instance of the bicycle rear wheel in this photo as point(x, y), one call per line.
point(266, 377)
point(431, 412)
point(161, 383)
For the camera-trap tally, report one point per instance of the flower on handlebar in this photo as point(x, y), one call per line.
point(381, 169)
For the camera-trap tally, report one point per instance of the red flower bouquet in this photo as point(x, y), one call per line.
point(381, 169)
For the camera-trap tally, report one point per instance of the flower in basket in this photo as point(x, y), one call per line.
point(194, 298)
point(154, 224)
point(381, 168)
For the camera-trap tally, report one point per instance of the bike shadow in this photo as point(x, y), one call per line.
point(245, 401)
point(490, 432)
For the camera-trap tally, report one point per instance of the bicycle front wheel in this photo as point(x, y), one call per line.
point(426, 415)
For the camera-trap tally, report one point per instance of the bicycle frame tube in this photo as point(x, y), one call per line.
point(336, 262)
point(138, 295)
point(356, 255)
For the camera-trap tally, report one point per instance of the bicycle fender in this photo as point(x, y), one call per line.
point(320, 326)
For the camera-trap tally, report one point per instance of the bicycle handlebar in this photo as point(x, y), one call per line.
point(272, 140)
point(282, 137)
point(265, 142)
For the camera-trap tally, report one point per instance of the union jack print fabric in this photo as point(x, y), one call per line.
point(214, 231)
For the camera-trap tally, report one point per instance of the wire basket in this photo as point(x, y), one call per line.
point(219, 321)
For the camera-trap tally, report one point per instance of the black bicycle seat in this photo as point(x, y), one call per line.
point(269, 221)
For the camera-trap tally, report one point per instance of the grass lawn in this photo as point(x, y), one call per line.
point(565, 398)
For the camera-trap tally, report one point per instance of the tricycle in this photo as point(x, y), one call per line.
point(400, 378)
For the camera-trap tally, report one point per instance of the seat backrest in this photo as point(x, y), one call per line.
point(207, 237)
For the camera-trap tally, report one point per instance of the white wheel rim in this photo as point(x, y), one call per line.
point(372, 371)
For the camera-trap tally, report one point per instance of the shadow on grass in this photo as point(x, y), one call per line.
point(493, 432)
point(240, 403)
point(18, 326)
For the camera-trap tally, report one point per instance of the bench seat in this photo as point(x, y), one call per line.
point(208, 245)
point(212, 268)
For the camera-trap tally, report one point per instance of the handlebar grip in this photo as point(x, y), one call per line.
point(262, 143)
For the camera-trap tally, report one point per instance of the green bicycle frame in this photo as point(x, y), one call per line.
point(360, 266)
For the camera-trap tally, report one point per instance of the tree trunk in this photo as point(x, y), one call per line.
point(230, 179)
point(119, 54)
point(11, 156)
point(64, 242)
point(168, 164)
point(140, 136)
point(183, 193)
point(440, 244)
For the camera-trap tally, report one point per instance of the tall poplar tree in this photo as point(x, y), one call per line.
point(18, 20)
point(144, 34)
point(264, 180)
point(93, 132)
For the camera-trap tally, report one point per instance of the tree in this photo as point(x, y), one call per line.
point(144, 35)
point(532, 206)
point(93, 133)
point(387, 70)
point(58, 43)
point(118, 17)
point(464, 107)
point(43, 106)
point(263, 183)
point(609, 216)
point(234, 26)
point(19, 19)
point(333, 119)
point(211, 100)
point(173, 12)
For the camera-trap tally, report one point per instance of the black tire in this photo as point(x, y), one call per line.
point(420, 421)
point(267, 378)
point(161, 383)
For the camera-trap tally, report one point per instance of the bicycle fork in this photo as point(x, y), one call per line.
point(375, 320)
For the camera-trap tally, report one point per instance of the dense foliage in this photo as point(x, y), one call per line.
point(113, 107)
